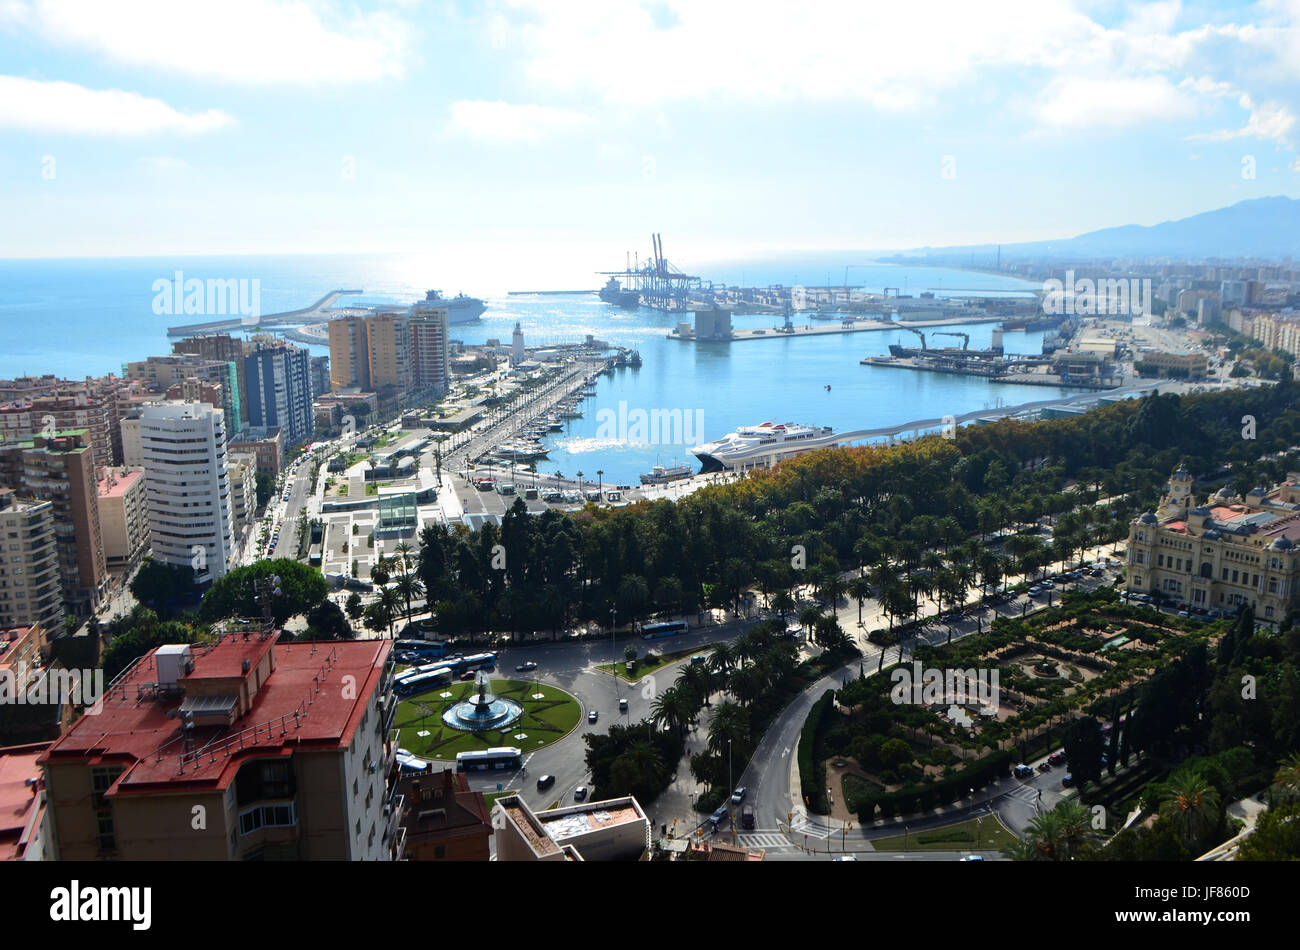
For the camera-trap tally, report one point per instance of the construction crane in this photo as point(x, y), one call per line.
point(965, 338)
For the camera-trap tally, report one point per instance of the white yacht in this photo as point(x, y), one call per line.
point(761, 446)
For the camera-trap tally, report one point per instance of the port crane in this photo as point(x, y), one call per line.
point(661, 285)
point(965, 338)
point(918, 333)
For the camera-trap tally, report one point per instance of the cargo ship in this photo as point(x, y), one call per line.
point(614, 293)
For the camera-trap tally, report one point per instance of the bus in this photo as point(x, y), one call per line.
point(429, 648)
point(421, 677)
point(476, 661)
point(502, 757)
point(672, 628)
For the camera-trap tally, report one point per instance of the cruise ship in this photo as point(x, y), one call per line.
point(761, 446)
point(460, 308)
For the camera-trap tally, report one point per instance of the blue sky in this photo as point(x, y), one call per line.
point(544, 130)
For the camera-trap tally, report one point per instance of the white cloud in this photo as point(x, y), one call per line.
point(240, 41)
point(1081, 103)
point(506, 122)
point(36, 106)
point(1270, 121)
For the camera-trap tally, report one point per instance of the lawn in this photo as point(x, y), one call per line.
point(963, 836)
point(648, 664)
point(544, 720)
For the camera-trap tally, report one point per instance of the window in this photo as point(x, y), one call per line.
point(439, 851)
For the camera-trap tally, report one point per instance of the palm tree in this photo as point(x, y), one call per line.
point(859, 589)
point(408, 586)
point(1288, 774)
point(403, 551)
point(1192, 805)
point(673, 707)
point(783, 603)
point(391, 601)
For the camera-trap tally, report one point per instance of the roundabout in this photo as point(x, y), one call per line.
point(470, 717)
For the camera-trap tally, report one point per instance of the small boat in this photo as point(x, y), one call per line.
point(660, 475)
point(635, 359)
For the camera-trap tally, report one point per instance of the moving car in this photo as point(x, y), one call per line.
point(1067, 781)
point(747, 817)
point(622, 705)
point(545, 781)
point(525, 667)
point(580, 793)
point(739, 795)
point(592, 716)
point(719, 817)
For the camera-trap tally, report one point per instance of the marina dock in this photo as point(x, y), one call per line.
point(1016, 372)
point(729, 334)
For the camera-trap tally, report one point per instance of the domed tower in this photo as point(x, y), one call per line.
point(1178, 498)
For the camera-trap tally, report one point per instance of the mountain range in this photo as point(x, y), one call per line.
point(1267, 228)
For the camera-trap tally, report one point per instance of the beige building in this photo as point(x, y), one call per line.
point(283, 750)
point(30, 590)
point(243, 488)
point(1223, 554)
point(430, 350)
point(390, 351)
point(123, 518)
point(1191, 365)
point(612, 830)
point(349, 353)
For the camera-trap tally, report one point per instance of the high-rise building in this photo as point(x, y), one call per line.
point(320, 375)
point(191, 517)
point(227, 349)
point(60, 468)
point(349, 353)
point(123, 518)
point(30, 589)
point(279, 389)
point(390, 351)
point(429, 350)
point(74, 406)
point(162, 372)
point(284, 762)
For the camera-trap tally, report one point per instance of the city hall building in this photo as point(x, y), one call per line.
point(1222, 554)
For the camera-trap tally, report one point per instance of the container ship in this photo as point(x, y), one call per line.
point(614, 293)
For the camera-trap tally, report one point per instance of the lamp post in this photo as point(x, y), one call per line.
point(613, 648)
point(600, 482)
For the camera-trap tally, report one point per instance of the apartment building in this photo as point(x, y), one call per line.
point(279, 389)
point(60, 468)
point(227, 349)
point(390, 351)
point(123, 518)
point(285, 747)
point(443, 818)
point(31, 593)
point(67, 408)
point(349, 353)
point(187, 484)
point(430, 351)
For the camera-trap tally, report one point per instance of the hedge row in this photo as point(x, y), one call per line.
point(812, 772)
point(925, 797)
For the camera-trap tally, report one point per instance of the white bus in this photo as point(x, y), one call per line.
point(502, 757)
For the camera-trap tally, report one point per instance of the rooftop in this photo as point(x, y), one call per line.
point(314, 698)
point(17, 798)
point(121, 484)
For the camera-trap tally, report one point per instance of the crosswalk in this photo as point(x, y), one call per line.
point(766, 840)
point(803, 826)
point(1025, 793)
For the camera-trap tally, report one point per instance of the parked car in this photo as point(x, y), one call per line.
point(1023, 771)
point(1067, 781)
point(1057, 758)
point(973, 857)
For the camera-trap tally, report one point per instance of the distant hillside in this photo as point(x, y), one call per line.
point(1258, 228)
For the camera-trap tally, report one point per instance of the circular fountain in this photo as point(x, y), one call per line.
point(482, 710)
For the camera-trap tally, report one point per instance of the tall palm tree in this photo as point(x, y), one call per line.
point(403, 552)
point(392, 603)
point(859, 590)
point(408, 585)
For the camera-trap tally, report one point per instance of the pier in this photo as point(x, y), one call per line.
point(847, 325)
point(316, 312)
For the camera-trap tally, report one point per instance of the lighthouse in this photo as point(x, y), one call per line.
point(517, 346)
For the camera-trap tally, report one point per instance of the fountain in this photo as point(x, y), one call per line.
point(482, 710)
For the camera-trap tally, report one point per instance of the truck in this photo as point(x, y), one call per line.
point(747, 817)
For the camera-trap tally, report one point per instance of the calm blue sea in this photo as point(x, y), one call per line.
point(87, 317)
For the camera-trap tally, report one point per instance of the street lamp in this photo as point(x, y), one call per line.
point(600, 484)
point(613, 648)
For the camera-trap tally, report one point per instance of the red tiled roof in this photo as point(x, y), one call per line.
point(315, 698)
